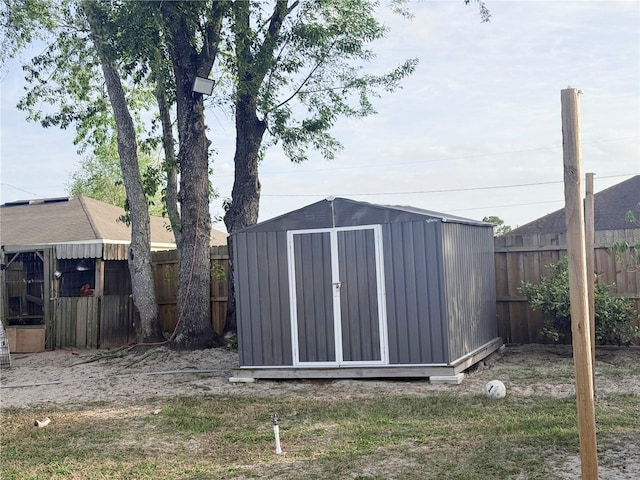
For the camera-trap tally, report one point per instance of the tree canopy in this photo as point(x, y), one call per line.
point(287, 70)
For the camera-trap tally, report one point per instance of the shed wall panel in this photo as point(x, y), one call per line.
point(358, 296)
point(262, 298)
point(416, 320)
point(469, 273)
point(314, 300)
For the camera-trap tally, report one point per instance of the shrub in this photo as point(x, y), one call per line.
point(614, 315)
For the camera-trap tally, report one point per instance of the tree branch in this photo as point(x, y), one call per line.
point(304, 82)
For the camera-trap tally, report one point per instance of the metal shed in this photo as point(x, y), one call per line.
point(342, 289)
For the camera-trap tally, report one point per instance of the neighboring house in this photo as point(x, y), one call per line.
point(525, 253)
point(610, 211)
point(64, 278)
point(342, 288)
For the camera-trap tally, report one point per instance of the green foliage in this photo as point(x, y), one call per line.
point(626, 254)
point(100, 177)
point(23, 22)
point(499, 228)
point(314, 73)
point(614, 315)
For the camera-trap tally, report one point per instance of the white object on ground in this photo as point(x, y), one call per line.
point(42, 423)
point(276, 433)
point(495, 389)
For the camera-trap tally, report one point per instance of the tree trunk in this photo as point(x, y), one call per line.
point(170, 163)
point(139, 258)
point(193, 52)
point(245, 195)
point(194, 329)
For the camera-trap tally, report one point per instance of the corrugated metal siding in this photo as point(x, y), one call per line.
point(469, 274)
point(79, 250)
point(262, 298)
point(314, 300)
point(117, 314)
point(416, 319)
point(358, 296)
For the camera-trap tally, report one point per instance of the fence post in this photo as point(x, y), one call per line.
point(580, 330)
point(589, 222)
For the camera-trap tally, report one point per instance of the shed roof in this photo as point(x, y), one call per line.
point(610, 210)
point(343, 212)
point(74, 219)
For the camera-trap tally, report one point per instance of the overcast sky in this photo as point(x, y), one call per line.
point(482, 110)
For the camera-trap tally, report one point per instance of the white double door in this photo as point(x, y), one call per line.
point(337, 296)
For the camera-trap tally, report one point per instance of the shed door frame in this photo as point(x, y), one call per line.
point(335, 279)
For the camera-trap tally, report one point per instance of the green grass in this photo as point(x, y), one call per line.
point(438, 436)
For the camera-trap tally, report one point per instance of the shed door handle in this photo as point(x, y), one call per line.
point(337, 285)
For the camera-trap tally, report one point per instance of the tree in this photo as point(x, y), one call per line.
point(289, 58)
point(499, 228)
point(99, 176)
point(293, 69)
point(139, 256)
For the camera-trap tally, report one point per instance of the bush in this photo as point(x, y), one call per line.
point(614, 315)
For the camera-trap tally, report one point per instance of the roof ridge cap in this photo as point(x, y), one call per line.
point(85, 208)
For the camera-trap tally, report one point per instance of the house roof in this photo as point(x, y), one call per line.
point(74, 219)
point(610, 210)
point(341, 212)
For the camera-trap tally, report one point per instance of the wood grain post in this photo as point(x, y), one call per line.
point(580, 331)
point(589, 221)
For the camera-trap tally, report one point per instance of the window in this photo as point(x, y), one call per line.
point(73, 276)
point(25, 289)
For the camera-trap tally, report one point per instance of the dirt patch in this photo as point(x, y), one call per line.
point(67, 377)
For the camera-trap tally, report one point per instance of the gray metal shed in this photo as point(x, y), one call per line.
point(342, 289)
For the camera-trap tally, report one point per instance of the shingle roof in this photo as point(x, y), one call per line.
point(72, 219)
point(610, 209)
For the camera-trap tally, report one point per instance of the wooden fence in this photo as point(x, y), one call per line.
point(521, 258)
point(518, 258)
point(165, 272)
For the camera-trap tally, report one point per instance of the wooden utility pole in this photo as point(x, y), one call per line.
point(589, 225)
point(580, 330)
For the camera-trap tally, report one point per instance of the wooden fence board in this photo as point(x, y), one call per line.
point(166, 275)
point(117, 314)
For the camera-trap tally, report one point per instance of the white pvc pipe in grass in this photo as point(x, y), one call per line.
point(276, 433)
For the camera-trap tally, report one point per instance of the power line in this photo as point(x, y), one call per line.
point(505, 206)
point(18, 188)
point(422, 162)
point(447, 190)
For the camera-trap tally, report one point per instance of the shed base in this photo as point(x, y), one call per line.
point(378, 371)
point(445, 379)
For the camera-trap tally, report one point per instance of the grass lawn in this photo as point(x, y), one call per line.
point(439, 436)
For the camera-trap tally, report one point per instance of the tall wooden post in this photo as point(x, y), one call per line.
point(580, 331)
point(589, 222)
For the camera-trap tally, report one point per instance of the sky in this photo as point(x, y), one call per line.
point(475, 131)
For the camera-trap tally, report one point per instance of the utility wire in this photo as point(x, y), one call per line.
point(18, 188)
point(504, 206)
point(422, 162)
point(446, 190)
